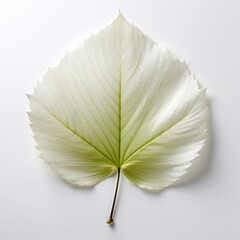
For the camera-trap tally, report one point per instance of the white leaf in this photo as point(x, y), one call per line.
point(119, 101)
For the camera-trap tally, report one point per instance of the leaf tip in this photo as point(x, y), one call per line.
point(120, 16)
point(66, 52)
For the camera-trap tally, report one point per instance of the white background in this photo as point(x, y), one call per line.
point(35, 204)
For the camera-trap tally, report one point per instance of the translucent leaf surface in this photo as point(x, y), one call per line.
point(119, 101)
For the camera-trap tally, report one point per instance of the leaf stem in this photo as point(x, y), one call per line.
point(110, 219)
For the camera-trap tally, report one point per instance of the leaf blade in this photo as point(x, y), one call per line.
point(171, 153)
point(121, 95)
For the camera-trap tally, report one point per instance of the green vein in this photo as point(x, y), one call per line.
point(120, 116)
point(74, 132)
point(154, 138)
point(152, 102)
point(109, 142)
point(143, 119)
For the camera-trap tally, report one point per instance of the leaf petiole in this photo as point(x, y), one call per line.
point(110, 219)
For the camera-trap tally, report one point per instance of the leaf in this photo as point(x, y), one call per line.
point(119, 102)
